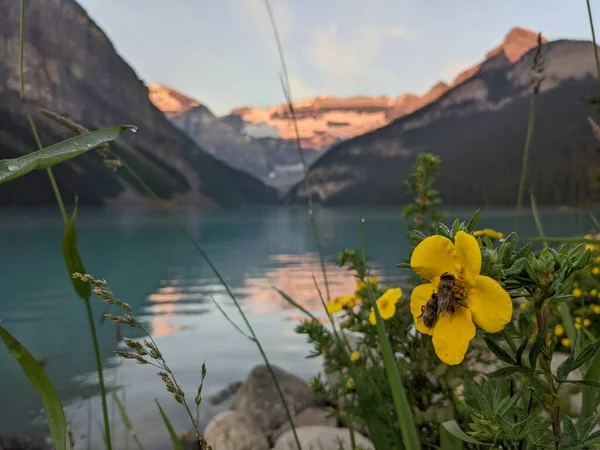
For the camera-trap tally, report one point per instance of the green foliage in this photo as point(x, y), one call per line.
point(177, 445)
point(11, 169)
point(421, 214)
point(127, 422)
point(35, 374)
point(72, 257)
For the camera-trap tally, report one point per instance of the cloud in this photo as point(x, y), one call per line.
point(255, 13)
point(350, 62)
point(302, 90)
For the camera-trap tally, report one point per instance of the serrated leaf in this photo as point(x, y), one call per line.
point(11, 169)
point(35, 374)
point(473, 221)
point(454, 429)
point(72, 257)
point(570, 431)
point(177, 445)
point(499, 351)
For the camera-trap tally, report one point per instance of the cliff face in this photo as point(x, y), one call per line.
point(478, 127)
point(275, 161)
point(325, 121)
point(72, 68)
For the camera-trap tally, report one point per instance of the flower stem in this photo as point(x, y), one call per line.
point(107, 439)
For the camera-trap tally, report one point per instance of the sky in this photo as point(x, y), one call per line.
point(222, 52)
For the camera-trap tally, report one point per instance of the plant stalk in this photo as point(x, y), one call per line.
point(92, 325)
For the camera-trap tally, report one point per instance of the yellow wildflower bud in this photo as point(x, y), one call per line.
point(524, 305)
point(355, 356)
point(578, 326)
point(350, 384)
point(596, 309)
point(594, 292)
point(588, 236)
point(577, 292)
point(559, 330)
point(597, 259)
point(577, 319)
point(587, 322)
point(492, 234)
point(596, 270)
point(565, 342)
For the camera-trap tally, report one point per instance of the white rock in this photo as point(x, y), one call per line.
point(321, 438)
point(308, 417)
point(234, 430)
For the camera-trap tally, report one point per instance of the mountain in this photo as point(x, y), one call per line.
point(325, 121)
point(478, 127)
point(72, 68)
point(275, 161)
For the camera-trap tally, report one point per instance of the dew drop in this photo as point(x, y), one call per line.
point(11, 167)
point(310, 212)
point(133, 129)
point(362, 219)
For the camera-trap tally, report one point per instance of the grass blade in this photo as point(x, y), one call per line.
point(73, 258)
point(295, 304)
point(530, 125)
point(177, 445)
point(11, 169)
point(448, 441)
point(454, 429)
point(52, 404)
point(404, 414)
point(536, 217)
point(127, 421)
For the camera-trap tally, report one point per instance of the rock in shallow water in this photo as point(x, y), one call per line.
point(234, 430)
point(258, 397)
point(322, 438)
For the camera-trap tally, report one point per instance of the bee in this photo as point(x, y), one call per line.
point(444, 302)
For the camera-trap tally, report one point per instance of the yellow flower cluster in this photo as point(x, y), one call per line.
point(337, 304)
point(559, 330)
point(361, 286)
point(579, 322)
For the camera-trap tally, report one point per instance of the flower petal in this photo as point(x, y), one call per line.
point(393, 295)
point(434, 256)
point(418, 298)
point(452, 334)
point(469, 254)
point(372, 317)
point(490, 304)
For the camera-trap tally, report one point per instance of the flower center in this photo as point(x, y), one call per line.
point(452, 292)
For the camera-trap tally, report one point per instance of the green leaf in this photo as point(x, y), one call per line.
point(536, 348)
point(52, 405)
point(522, 348)
point(592, 373)
point(11, 169)
point(177, 445)
point(570, 431)
point(452, 427)
point(503, 372)
point(499, 351)
point(72, 257)
point(570, 364)
point(589, 383)
point(473, 221)
point(448, 441)
point(127, 422)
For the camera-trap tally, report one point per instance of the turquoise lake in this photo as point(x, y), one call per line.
point(148, 263)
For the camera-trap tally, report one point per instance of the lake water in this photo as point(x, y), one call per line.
point(149, 263)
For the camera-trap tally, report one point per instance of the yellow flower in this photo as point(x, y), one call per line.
point(577, 292)
point(578, 326)
point(350, 384)
point(596, 270)
point(337, 304)
point(596, 309)
point(492, 234)
point(594, 292)
point(355, 356)
point(565, 342)
point(361, 286)
point(597, 259)
point(577, 319)
point(524, 305)
point(386, 304)
point(586, 322)
point(475, 299)
point(559, 330)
